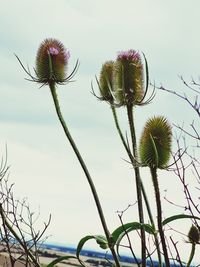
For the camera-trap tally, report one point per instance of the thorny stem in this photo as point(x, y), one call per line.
point(138, 183)
point(10, 228)
point(191, 254)
point(85, 170)
point(141, 183)
point(159, 214)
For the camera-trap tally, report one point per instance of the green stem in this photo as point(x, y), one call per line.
point(86, 172)
point(142, 186)
point(159, 214)
point(132, 161)
point(120, 133)
point(191, 254)
point(10, 228)
point(138, 182)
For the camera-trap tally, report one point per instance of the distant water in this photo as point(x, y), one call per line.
point(95, 254)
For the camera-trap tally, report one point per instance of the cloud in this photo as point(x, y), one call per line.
point(167, 32)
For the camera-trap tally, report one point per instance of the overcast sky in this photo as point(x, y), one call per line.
point(43, 166)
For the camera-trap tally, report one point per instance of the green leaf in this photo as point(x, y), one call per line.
point(121, 230)
point(62, 258)
point(179, 216)
point(101, 241)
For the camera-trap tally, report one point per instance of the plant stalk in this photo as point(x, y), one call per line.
point(191, 254)
point(138, 182)
point(85, 170)
point(159, 214)
point(141, 183)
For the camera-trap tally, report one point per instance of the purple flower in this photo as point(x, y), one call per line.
point(131, 55)
point(53, 51)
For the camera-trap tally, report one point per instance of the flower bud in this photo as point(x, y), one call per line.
point(51, 61)
point(105, 81)
point(128, 78)
point(155, 143)
point(194, 235)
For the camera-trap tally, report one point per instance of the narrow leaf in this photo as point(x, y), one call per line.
point(121, 230)
point(101, 241)
point(179, 216)
point(60, 259)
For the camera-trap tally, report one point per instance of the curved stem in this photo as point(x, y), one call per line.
point(138, 182)
point(191, 254)
point(85, 170)
point(159, 214)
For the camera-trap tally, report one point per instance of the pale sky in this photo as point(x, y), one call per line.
point(43, 166)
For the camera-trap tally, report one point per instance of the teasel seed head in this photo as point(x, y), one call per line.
point(194, 235)
point(128, 78)
point(51, 61)
point(155, 143)
point(105, 81)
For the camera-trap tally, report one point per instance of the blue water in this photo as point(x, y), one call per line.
point(95, 254)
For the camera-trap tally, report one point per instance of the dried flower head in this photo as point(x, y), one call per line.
point(128, 78)
point(155, 143)
point(51, 63)
point(194, 235)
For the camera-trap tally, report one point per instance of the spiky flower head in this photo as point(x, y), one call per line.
point(155, 143)
point(194, 235)
point(128, 78)
point(105, 81)
point(51, 61)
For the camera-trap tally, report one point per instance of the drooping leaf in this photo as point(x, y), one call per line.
point(60, 259)
point(101, 241)
point(122, 230)
point(131, 227)
point(179, 216)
